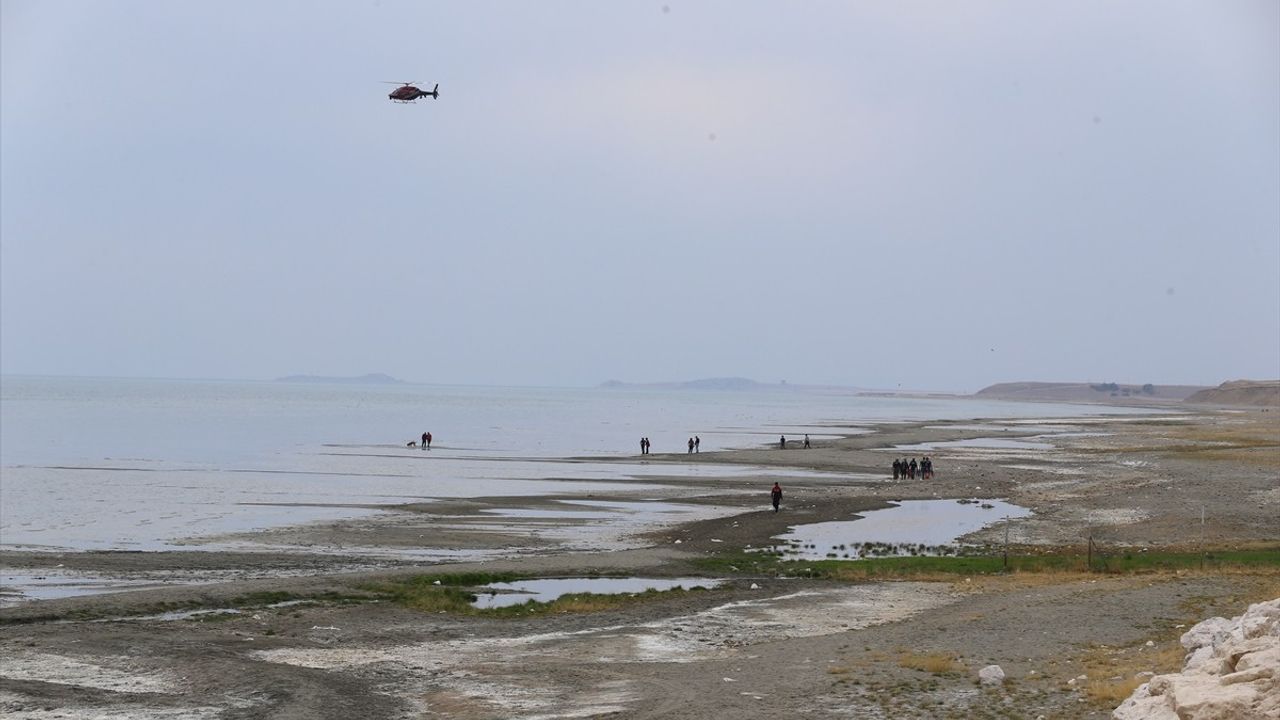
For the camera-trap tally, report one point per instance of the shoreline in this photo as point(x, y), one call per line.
point(1136, 486)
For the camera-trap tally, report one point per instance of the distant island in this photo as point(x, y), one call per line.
point(370, 379)
point(726, 383)
point(1088, 392)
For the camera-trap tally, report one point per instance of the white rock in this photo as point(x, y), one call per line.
point(1200, 658)
point(755, 586)
point(991, 675)
point(1232, 672)
point(1142, 706)
point(1205, 634)
point(1261, 619)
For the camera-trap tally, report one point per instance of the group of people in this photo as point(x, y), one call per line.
point(695, 445)
point(909, 470)
point(782, 442)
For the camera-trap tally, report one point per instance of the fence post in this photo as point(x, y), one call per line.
point(1006, 543)
point(1202, 537)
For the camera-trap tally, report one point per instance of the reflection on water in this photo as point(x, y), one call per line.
point(548, 589)
point(896, 530)
point(16, 587)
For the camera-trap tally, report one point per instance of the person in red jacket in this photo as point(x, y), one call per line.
point(776, 493)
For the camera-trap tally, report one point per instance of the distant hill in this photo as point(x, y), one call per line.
point(1089, 392)
point(370, 379)
point(1240, 392)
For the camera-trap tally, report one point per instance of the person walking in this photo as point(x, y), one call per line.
point(806, 441)
point(776, 495)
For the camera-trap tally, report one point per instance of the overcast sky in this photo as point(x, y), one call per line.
point(935, 195)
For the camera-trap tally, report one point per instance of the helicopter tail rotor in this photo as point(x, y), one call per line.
point(435, 91)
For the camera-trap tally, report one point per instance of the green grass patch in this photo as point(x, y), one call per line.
point(1044, 562)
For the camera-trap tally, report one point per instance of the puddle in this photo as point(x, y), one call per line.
point(913, 527)
point(16, 588)
point(548, 589)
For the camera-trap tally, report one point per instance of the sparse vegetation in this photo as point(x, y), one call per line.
point(938, 663)
point(455, 594)
point(1071, 560)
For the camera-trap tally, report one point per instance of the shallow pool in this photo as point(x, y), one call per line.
point(912, 527)
point(548, 589)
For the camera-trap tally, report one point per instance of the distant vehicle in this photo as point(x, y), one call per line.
point(408, 92)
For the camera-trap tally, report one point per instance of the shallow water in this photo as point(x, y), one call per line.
point(18, 587)
point(92, 463)
point(548, 589)
point(977, 443)
point(910, 522)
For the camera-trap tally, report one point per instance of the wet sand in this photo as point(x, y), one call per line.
point(754, 647)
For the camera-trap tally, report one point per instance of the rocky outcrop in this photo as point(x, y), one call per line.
point(1232, 672)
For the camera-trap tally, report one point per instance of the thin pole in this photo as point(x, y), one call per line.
point(1201, 537)
point(1091, 552)
point(1006, 542)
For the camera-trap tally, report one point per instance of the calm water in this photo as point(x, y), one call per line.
point(929, 522)
point(89, 463)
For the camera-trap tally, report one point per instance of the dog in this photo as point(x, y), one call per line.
point(411, 443)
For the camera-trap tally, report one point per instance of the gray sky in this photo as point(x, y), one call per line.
point(932, 194)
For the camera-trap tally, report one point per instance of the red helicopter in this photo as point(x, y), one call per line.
point(407, 92)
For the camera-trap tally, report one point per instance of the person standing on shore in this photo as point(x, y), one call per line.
point(424, 440)
point(642, 446)
point(911, 469)
point(782, 442)
point(697, 444)
point(896, 466)
point(776, 496)
point(690, 446)
point(806, 441)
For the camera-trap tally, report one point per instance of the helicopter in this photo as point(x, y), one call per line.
point(408, 92)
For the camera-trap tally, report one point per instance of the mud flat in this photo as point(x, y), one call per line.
point(344, 618)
